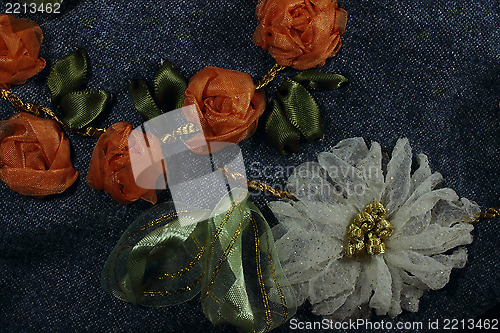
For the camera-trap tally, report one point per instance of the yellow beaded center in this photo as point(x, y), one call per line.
point(368, 231)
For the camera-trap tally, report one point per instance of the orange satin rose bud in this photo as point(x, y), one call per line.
point(20, 41)
point(300, 33)
point(35, 156)
point(110, 167)
point(227, 107)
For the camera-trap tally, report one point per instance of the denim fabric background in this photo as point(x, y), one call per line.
point(427, 70)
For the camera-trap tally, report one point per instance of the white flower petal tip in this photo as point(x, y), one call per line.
point(414, 245)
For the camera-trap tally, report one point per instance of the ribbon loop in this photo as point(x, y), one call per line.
point(68, 74)
point(160, 262)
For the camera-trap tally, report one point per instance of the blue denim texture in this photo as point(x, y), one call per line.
point(426, 70)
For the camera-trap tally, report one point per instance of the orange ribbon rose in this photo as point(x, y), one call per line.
point(300, 33)
point(35, 156)
point(226, 105)
point(110, 167)
point(20, 41)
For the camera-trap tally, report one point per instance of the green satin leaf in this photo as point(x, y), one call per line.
point(160, 261)
point(143, 100)
point(280, 133)
point(300, 109)
point(313, 80)
point(82, 107)
point(68, 74)
point(169, 85)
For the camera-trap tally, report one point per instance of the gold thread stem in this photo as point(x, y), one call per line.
point(258, 186)
point(489, 214)
point(269, 76)
point(39, 110)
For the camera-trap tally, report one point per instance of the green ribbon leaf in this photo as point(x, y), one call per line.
point(143, 100)
point(301, 109)
point(82, 107)
point(66, 82)
point(68, 74)
point(295, 113)
point(313, 80)
point(280, 133)
point(228, 256)
point(169, 86)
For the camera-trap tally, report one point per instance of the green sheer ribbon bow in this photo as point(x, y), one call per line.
point(294, 112)
point(66, 82)
point(228, 257)
point(168, 94)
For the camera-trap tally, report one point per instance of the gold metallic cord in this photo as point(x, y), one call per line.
point(489, 214)
point(188, 128)
point(258, 186)
point(269, 76)
point(39, 110)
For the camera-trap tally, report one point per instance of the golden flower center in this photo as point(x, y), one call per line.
point(367, 233)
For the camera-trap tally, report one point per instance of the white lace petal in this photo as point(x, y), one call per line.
point(381, 281)
point(301, 250)
point(371, 168)
point(357, 302)
point(301, 292)
point(397, 180)
point(422, 189)
point(337, 280)
point(348, 178)
point(421, 206)
point(449, 213)
point(415, 225)
point(423, 172)
point(352, 150)
point(356, 170)
point(457, 259)
point(332, 219)
point(410, 298)
point(428, 270)
point(435, 239)
point(397, 287)
point(332, 304)
point(283, 210)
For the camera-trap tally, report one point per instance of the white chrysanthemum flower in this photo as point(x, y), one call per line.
point(428, 226)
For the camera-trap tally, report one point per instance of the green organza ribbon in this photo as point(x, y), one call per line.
point(228, 257)
point(168, 94)
point(66, 82)
point(295, 114)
